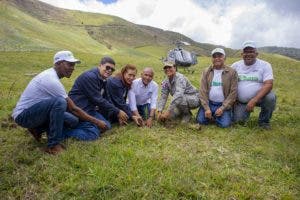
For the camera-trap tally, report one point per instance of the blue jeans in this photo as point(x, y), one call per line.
point(223, 121)
point(144, 110)
point(86, 130)
point(267, 105)
point(47, 115)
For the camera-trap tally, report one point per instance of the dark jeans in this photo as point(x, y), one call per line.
point(49, 116)
point(144, 110)
point(87, 130)
point(223, 121)
point(267, 105)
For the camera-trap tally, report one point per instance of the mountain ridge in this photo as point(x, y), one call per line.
point(44, 26)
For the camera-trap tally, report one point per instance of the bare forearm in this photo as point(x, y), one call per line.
point(79, 112)
point(83, 115)
point(152, 112)
point(266, 88)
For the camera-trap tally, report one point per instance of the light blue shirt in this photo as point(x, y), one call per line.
point(140, 94)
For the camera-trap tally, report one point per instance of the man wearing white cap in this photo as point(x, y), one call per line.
point(218, 91)
point(254, 86)
point(43, 104)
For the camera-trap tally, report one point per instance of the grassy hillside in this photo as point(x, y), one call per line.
point(290, 52)
point(176, 162)
point(30, 25)
point(179, 162)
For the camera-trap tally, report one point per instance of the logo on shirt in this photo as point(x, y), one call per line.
point(214, 83)
point(247, 78)
point(164, 85)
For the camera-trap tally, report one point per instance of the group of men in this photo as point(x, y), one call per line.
point(97, 99)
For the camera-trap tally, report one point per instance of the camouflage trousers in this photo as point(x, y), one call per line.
point(185, 106)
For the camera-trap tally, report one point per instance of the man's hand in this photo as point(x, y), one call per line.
point(207, 114)
point(122, 116)
point(164, 116)
point(137, 120)
point(219, 112)
point(250, 105)
point(101, 124)
point(123, 122)
point(149, 122)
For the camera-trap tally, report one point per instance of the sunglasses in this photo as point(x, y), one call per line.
point(167, 67)
point(107, 67)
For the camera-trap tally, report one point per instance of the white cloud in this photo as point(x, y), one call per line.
point(218, 22)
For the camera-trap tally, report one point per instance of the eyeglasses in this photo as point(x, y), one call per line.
point(167, 67)
point(107, 67)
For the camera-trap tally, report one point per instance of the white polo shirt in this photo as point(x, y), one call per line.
point(139, 94)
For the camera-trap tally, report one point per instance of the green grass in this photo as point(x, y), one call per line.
point(241, 162)
point(178, 162)
point(22, 32)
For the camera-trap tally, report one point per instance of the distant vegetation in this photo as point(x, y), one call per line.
point(285, 51)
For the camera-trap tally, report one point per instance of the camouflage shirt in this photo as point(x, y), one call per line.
point(178, 87)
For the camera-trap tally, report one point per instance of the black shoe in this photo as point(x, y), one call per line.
point(265, 126)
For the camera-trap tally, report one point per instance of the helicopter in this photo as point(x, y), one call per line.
point(182, 57)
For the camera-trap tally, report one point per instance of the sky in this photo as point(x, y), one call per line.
point(220, 22)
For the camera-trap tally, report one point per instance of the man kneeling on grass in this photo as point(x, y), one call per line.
point(218, 91)
point(90, 94)
point(185, 96)
point(143, 96)
point(43, 104)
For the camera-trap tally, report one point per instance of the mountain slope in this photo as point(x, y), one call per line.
point(31, 25)
point(23, 32)
point(289, 52)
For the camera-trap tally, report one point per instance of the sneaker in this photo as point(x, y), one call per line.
point(37, 136)
point(55, 149)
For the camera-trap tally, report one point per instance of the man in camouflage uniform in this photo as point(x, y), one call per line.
point(185, 95)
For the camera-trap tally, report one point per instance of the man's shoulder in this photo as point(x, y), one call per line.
point(154, 84)
point(166, 80)
point(90, 73)
point(208, 69)
point(136, 81)
point(180, 76)
point(48, 76)
point(238, 64)
point(263, 63)
point(47, 73)
point(229, 69)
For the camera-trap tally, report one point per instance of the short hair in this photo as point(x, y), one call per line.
point(107, 59)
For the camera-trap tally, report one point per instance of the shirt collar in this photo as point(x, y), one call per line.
point(142, 85)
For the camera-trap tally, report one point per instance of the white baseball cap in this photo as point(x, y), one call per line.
point(65, 56)
point(249, 43)
point(218, 50)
